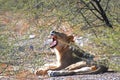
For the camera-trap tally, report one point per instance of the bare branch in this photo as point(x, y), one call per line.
point(103, 14)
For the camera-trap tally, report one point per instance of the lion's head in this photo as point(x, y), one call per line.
point(60, 39)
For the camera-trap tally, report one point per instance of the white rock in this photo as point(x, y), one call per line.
point(32, 36)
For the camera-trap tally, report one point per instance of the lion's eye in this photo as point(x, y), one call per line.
point(52, 32)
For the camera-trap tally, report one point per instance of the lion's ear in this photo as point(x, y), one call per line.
point(71, 38)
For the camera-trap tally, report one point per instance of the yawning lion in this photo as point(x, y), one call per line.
point(70, 58)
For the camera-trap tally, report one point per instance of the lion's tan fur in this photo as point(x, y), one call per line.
point(65, 55)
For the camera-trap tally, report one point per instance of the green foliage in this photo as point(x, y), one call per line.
point(6, 45)
point(3, 44)
point(108, 40)
point(69, 10)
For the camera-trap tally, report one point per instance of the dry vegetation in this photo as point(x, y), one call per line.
point(21, 18)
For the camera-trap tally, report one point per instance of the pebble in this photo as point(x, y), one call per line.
point(32, 36)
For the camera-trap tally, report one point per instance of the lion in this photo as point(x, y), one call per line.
point(70, 58)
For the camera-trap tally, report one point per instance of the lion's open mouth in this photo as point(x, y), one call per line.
point(54, 42)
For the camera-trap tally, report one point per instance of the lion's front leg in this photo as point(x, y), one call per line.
point(46, 67)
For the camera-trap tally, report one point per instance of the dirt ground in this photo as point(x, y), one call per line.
point(105, 76)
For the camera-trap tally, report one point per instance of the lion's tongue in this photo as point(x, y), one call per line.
point(53, 44)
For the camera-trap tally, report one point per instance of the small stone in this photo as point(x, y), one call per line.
point(31, 47)
point(31, 36)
